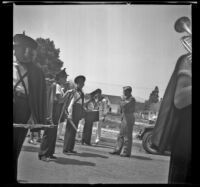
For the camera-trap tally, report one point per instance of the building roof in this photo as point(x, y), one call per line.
point(113, 99)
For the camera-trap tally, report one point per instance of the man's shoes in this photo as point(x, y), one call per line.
point(114, 153)
point(69, 152)
point(89, 144)
point(52, 157)
point(125, 155)
point(74, 152)
point(39, 140)
point(65, 152)
point(43, 158)
point(97, 142)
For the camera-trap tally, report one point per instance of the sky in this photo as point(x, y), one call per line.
point(112, 45)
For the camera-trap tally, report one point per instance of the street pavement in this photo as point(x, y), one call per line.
point(92, 165)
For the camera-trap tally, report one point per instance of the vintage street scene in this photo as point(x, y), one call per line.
point(102, 93)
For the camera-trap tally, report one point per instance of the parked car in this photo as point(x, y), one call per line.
point(145, 135)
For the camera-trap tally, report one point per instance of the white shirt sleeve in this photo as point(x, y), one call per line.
point(59, 89)
point(70, 108)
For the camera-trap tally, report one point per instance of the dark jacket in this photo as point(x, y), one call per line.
point(37, 93)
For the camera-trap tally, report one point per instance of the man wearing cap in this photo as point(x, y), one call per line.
point(47, 147)
point(75, 114)
point(29, 91)
point(124, 139)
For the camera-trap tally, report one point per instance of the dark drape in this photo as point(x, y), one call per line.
point(167, 119)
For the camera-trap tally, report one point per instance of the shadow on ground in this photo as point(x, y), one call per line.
point(104, 146)
point(141, 157)
point(84, 154)
point(69, 161)
point(30, 148)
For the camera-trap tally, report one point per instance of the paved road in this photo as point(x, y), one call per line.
point(92, 165)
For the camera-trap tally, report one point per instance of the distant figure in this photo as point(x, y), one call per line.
point(75, 114)
point(103, 108)
point(91, 115)
point(65, 87)
point(124, 139)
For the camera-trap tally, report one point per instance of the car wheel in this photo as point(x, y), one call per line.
point(146, 143)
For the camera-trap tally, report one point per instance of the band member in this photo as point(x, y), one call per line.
point(103, 108)
point(75, 114)
point(29, 92)
point(47, 147)
point(91, 115)
point(173, 126)
point(124, 139)
point(61, 125)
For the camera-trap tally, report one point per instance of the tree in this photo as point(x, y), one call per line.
point(48, 56)
point(154, 97)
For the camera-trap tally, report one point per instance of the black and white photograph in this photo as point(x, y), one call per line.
point(102, 93)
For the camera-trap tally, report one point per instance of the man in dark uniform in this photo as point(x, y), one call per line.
point(124, 139)
point(29, 91)
point(56, 93)
point(75, 114)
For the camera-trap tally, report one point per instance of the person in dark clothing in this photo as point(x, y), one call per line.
point(124, 139)
point(29, 91)
point(91, 116)
point(75, 114)
point(56, 93)
point(172, 130)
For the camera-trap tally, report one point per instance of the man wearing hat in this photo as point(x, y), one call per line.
point(29, 91)
point(124, 139)
point(47, 147)
point(75, 114)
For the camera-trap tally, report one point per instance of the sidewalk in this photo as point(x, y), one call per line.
point(92, 165)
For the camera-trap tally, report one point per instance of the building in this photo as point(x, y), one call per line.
point(115, 101)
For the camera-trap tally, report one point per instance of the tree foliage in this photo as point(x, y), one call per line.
point(153, 98)
point(48, 56)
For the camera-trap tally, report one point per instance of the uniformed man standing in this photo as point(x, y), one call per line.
point(124, 139)
point(29, 91)
point(75, 114)
point(47, 147)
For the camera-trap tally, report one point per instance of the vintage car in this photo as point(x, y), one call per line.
point(145, 134)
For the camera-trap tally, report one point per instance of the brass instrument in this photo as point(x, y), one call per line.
point(183, 24)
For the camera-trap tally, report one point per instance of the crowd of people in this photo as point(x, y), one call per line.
point(37, 100)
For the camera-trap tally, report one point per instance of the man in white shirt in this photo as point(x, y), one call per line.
point(103, 108)
point(75, 114)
